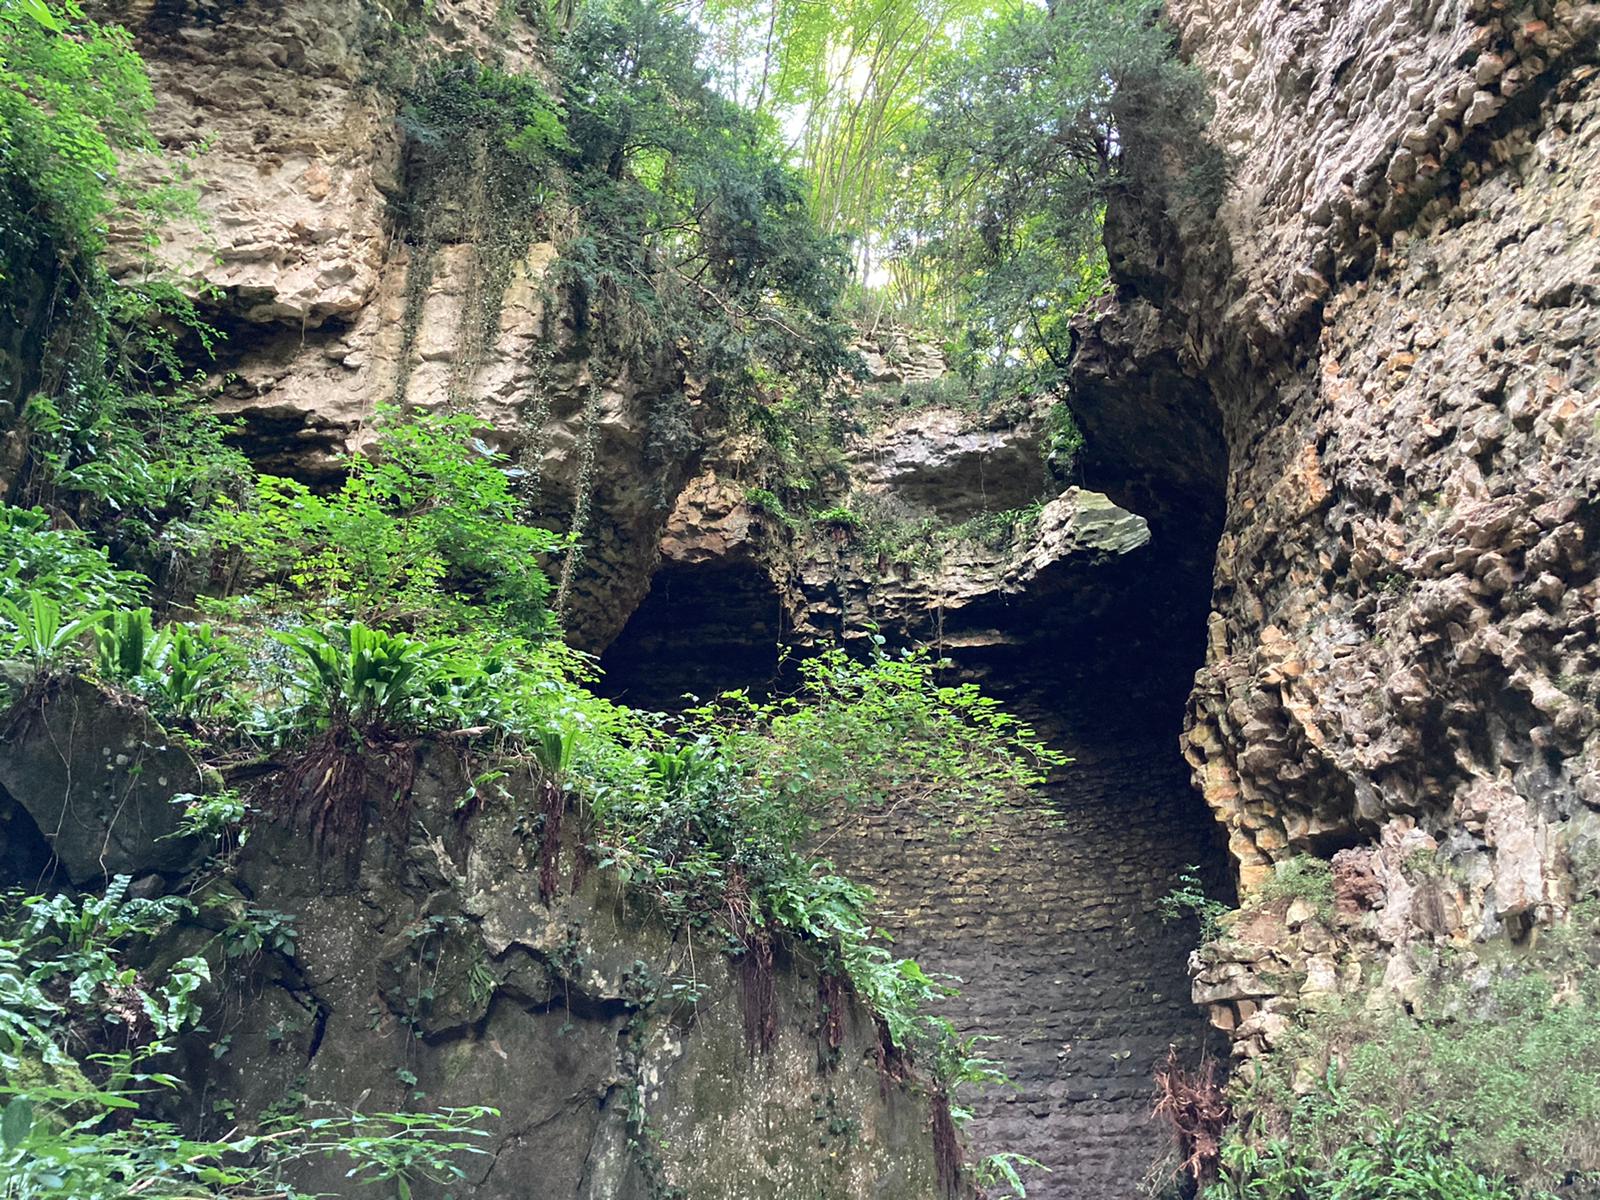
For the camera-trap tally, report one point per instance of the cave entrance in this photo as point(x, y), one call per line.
point(26, 860)
point(703, 628)
point(1051, 913)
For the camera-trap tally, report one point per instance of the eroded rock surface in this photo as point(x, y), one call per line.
point(333, 303)
point(1396, 311)
point(96, 778)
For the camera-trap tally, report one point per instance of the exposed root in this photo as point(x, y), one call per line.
point(947, 1153)
point(832, 989)
point(1196, 1109)
point(755, 967)
point(582, 860)
point(894, 1062)
point(760, 995)
point(552, 808)
point(326, 790)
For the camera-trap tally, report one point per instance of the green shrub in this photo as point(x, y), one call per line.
point(36, 627)
point(1063, 440)
point(178, 668)
point(1502, 1069)
point(61, 563)
point(1302, 877)
point(1189, 898)
point(365, 677)
point(426, 533)
point(1404, 1158)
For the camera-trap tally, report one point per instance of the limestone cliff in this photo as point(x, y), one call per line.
point(1395, 311)
point(335, 298)
point(425, 967)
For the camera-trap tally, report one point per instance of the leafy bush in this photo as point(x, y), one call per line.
point(83, 1036)
point(696, 238)
point(1063, 440)
point(1302, 877)
point(1404, 1158)
point(114, 430)
point(883, 731)
point(72, 94)
point(179, 668)
point(1009, 172)
point(1498, 1071)
point(1189, 898)
point(61, 563)
point(35, 626)
point(426, 533)
point(365, 677)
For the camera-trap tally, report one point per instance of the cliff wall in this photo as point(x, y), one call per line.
point(1395, 310)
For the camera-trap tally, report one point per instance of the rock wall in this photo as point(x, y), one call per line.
point(1396, 312)
point(423, 969)
point(333, 304)
point(1089, 622)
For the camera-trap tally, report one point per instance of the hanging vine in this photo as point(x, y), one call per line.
point(480, 147)
point(583, 493)
point(536, 419)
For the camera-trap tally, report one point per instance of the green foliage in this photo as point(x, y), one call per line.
point(996, 530)
point(63, 564)
point(216, 815)
point(768, 502)
point(838, 515)
point(1189, 898)
point(1302, 877)
point(555, 749)
point(36, 627)
point(883, 732)
point(1005, 182)
point(1496, 1076)
point(179, 668)
point(1409, 1158)
point(366, 677)
point(1000, 1170)
point(115, 432)
point(123, 641)
point(72, 94)
point(694, 238)
point(82, 1038)
point(426, 534)
point(1063, 440)
point(852, 77)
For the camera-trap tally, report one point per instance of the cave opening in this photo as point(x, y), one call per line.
point(26, 860)
point(702, 629)
point(1050, 914)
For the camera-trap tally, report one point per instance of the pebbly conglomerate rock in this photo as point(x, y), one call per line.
point(1397, 312)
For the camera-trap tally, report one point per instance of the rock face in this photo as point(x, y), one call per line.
point(1397, 310)
point(616, 1053)
point(1047, 909)
point(96, 777)
point(334, 305)
point(1358, 406)
point(423, 968)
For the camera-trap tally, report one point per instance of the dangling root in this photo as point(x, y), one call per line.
point(760, 997)
point(327, 788)
point(894, 1062)
point(947, 1155)
point(831, 991)
point(553, 808)
point(1195, 1107)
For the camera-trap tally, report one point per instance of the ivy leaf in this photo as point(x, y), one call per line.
point(16, 1123)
